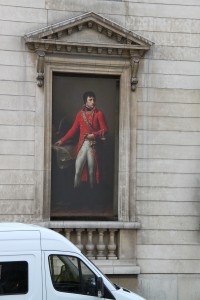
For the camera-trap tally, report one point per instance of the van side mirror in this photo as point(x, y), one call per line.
point(100, 287)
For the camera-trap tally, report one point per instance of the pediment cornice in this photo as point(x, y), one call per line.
point(57, 37)
point(88, 34)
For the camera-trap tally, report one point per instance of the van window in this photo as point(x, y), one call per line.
point(13, 278)
point(69, 274)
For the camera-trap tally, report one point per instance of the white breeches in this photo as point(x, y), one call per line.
point(85, 154)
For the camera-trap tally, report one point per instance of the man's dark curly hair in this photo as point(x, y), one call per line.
point(88, 94)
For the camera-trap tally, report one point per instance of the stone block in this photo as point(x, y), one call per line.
point(118, 267)
point(81, 6)
point(173, 53)
point(170, 11)
point(168, 81)
point(12, 177)
point(168, 180)
point(168, 166)
point(168, 124)
point(169, 222)
point(188, 287)
point(168, 152)
point(17, 133)
point(13, 102)
point(168, 266)
point(163, 208)
point(171, 39)
point(148, 23)
point(168, 110)
point(23, 3)
point(167, 237)
point(168, 138)
point(127, 242)
point(158, 287)
point(188, 252)
point(168, 95)
point(17, 192)
point(167, 194)
point(17, 58)
point(12, 73)
point(13, 31)
point(173, 68)
point(23, 118)
point(16, 162)
point(11, 43)
point(16, 207)
point(39, 148)
point(18, 88)
point(22, 14)
point(17, 147)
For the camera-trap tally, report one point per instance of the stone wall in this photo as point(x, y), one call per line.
point(168, 151)
point(168, 131)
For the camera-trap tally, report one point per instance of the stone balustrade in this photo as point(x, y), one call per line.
point(99, 243)
point(111, 245)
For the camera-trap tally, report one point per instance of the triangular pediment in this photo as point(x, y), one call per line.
point(87, 36)
point(88, 33)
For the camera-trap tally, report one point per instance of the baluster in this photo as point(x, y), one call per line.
point(78, 239)
point(101, 246)
point(90, 245)
point(67, 233)
point(111, 244)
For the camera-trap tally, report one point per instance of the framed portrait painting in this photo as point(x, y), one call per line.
point(84, 164)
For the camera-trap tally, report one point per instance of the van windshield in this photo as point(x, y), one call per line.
point(115, 286)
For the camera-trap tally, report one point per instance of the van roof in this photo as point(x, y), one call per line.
point(16, 226)
point(29, 237)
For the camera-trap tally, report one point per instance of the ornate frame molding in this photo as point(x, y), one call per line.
point(110, 40)
point(126, 163)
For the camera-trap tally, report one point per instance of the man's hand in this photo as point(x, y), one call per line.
point(90, 136)
point(58, 143)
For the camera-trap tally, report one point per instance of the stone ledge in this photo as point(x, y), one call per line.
point(117, 267)
point(90, 224)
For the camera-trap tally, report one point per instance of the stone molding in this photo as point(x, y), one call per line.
point(88, 34)
point(127, 136)
point(118, 267)
point(90, 224)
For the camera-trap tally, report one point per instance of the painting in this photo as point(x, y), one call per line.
point(84, 167)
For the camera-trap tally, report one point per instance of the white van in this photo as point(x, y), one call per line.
point(37, 263)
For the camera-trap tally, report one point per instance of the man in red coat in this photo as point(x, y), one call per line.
point(90, 123)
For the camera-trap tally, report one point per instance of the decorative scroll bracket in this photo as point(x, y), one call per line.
point(134, 70)
point(40, 68)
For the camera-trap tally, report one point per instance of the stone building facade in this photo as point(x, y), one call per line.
point(153, 48)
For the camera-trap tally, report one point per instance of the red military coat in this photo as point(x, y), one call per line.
point(87, 122)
